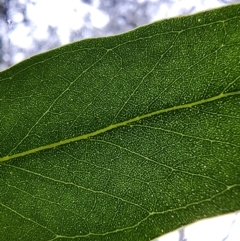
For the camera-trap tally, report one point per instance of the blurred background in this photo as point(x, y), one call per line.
point(28, 27)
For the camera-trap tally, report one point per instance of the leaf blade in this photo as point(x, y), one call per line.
point(139, 133)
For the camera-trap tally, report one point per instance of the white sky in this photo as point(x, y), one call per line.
point(212, 229)
point(69, 16)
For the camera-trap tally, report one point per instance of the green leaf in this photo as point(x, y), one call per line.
point(126, 137)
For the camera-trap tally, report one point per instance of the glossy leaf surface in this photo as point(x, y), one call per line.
point(125, 137)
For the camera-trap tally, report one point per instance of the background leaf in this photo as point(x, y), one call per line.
point(126, 137)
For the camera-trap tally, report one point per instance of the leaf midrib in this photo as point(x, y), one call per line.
point(116, 125)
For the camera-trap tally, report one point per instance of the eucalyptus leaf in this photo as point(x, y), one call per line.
point(125, 137)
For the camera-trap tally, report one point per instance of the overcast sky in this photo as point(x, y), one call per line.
point(34, 26)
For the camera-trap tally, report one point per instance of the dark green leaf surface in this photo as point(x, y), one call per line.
point(126, 137)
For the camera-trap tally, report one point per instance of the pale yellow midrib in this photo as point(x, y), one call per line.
point(114, 126)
